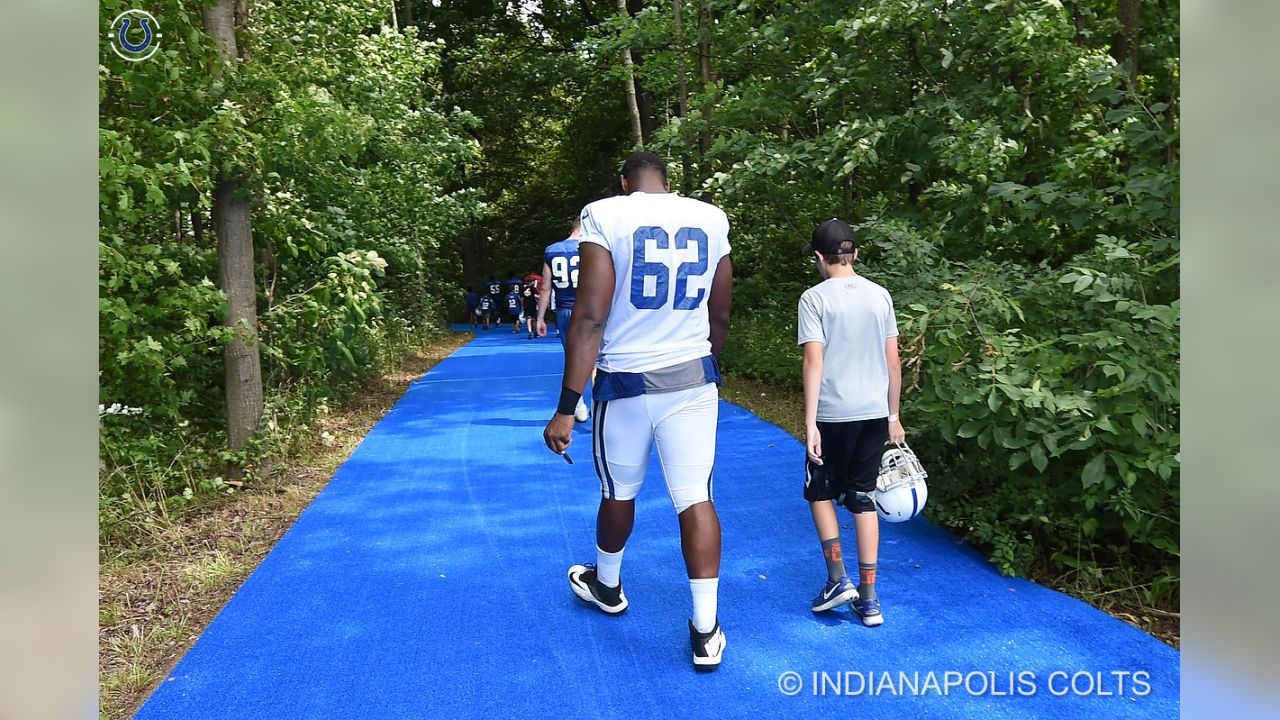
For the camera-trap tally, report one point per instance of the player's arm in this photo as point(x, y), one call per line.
point(590, 311)
point(896, 433)
point(720, 303)
point(812, 376)
point(544, 299)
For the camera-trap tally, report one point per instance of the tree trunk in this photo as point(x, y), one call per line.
point(1125, 44)
point(646, 103)
point(686, 165)
point(704, 76)
point(408, 13)
point(242, 364)
point(637, 136)
point(197, 225)
point(684, 89)
point(233, 229)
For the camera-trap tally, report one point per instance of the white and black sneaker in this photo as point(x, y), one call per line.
point(583, 582)
point(708, 648)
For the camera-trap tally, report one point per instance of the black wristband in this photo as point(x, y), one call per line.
point(568, 401)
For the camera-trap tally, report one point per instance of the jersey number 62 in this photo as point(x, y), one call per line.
point(642, 268)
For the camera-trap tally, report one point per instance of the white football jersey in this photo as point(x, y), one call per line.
point(665, 251)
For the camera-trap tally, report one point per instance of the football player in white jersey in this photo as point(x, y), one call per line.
point(655, 288)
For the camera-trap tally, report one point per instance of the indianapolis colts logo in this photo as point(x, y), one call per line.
point(134, 35)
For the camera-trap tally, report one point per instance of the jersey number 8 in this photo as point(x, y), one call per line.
point(641, 269)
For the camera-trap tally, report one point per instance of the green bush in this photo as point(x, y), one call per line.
point(351, 160)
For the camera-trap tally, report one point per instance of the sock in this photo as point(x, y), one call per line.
point(704, 592)
point(867, 581)
point(834, 556)
point(609, 567)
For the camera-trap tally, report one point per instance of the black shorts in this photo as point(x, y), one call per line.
point(850, 460)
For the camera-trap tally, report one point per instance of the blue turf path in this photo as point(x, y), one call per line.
point(428, 581)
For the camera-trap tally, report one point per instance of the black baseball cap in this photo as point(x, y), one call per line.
point(833, 237)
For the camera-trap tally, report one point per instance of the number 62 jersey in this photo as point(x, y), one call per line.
point(665, 250)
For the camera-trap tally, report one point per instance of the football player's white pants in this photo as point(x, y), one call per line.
point(683, 426)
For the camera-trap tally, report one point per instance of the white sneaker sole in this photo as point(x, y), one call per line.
point(871, 621)
point(838, 599)
point(584, 593)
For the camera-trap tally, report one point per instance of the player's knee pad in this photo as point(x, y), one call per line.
point(861, 502)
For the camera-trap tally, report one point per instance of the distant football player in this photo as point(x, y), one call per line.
point(494, 290)
point(472, 301)
point(485, 308)
point(513, 307)
point(529, 297)
point(512, 283)
point(534, 279)
point(651, 312)
point(852, 382)
point(560, 278)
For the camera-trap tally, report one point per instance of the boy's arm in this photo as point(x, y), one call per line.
point(896, 434)
point(812, 384)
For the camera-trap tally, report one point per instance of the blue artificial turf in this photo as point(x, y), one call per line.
point(428, 580)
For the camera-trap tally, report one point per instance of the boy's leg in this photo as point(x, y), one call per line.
point(867, 527)
point(865, 466)
point(828, 527)
point(824, 484)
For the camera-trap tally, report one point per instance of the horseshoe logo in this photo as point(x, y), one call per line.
point(124, 35)
point(119, 35)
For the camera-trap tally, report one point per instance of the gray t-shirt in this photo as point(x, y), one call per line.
point(852, 317)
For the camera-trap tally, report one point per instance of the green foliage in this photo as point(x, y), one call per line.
point(1016, 190)
point(351, 158)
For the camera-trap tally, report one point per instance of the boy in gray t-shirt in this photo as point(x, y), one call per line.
point(852, 379)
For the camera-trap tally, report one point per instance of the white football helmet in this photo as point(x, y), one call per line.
point(900, 488)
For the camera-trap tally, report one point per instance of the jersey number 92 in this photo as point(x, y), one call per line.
point(564, 272)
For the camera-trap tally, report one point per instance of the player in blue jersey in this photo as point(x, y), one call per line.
point(513, 306)
point(651, 312)
point(485, 309)
point(493, 289)
point(560, 275)
point(472, 301)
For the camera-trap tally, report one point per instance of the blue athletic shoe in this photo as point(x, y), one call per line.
point(836, 592)
point(869, 609)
